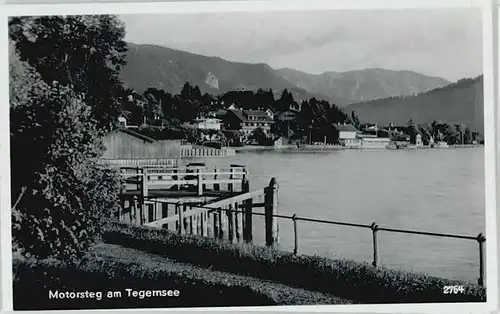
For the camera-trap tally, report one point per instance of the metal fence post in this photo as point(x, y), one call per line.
point(296, 240)
point(480, 240)
point(374, 228)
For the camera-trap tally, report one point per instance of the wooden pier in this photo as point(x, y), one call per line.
point(199, 201)
point(218, 203)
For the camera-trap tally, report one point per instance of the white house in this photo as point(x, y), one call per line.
point(372, 141)
point(270, 114)
point(419, 141)
point(207, 124)
point(287, 115)
point(347, 135)
point(122, 121)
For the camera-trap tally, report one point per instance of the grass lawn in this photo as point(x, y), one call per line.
point(109, 267)
point(279, 294)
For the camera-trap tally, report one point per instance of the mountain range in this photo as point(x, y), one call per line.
point(376, 95)
point(168, 69)
point(362, 85)
point(457, 103)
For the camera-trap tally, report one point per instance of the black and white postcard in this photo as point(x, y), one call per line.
point(235, 157)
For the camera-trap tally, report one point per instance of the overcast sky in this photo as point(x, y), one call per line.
point(438, 42)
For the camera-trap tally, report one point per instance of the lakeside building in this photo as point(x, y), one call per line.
point(247, 121)
point(370, 141)
point(206, 124)
point(287, 116)
point(400, 140)
point(270, 114)
point(127, 144)
point(347, 135)
point(122, 121)
point(419, 142)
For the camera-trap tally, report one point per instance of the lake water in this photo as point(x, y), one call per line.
point(434, 190)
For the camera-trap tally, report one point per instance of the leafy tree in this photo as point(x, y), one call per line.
point(355, 120)
point(461, 129)
point(412, 130)
point(450, 134)
point(259, 135)
point(132, 106)
point(154, 99)
point(434, 129)
point(59, 189)
point(426, 132)
point(467, 136)
point(207, 104)
point(304, 118)
point(187, 104)
point(265, 99)
point(84, 52)
point(285, 101)
point(190, 92)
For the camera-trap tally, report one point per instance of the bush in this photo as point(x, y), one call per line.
point(360, 282)
point(59, 190)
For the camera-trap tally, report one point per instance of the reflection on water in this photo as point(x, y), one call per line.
point(429, 190)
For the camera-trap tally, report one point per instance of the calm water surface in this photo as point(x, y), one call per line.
point(435, 190)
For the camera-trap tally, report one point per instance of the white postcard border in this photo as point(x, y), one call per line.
point(491, 86)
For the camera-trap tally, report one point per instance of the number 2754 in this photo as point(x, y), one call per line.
point(453, 289)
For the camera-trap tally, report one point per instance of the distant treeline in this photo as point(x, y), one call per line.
point(313, 117)
point(313, 121)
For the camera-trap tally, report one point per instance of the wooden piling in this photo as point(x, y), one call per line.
point(238, 222)
point(220, 224)
point(193, 224)
point(216, 185)
point(199, 178)
point(230, 186)
point(215, 222)
point(230, 224)
point(247, 209)
point(175, 178)
point(137, 210)
point(150, 214)
point(203, 223)
point(132, 209)
point(181, 219)
point(271, 208)
point(145, 191)
point(210, 224)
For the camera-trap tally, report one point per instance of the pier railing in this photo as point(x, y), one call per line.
point(480, 239)
point(230, 218)
point(206, 152)
point(141, 162)
point(197, 176)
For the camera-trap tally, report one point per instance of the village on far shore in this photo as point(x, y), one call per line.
point(235, 129)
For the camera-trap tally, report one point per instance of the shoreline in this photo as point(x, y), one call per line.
point(309, 148)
